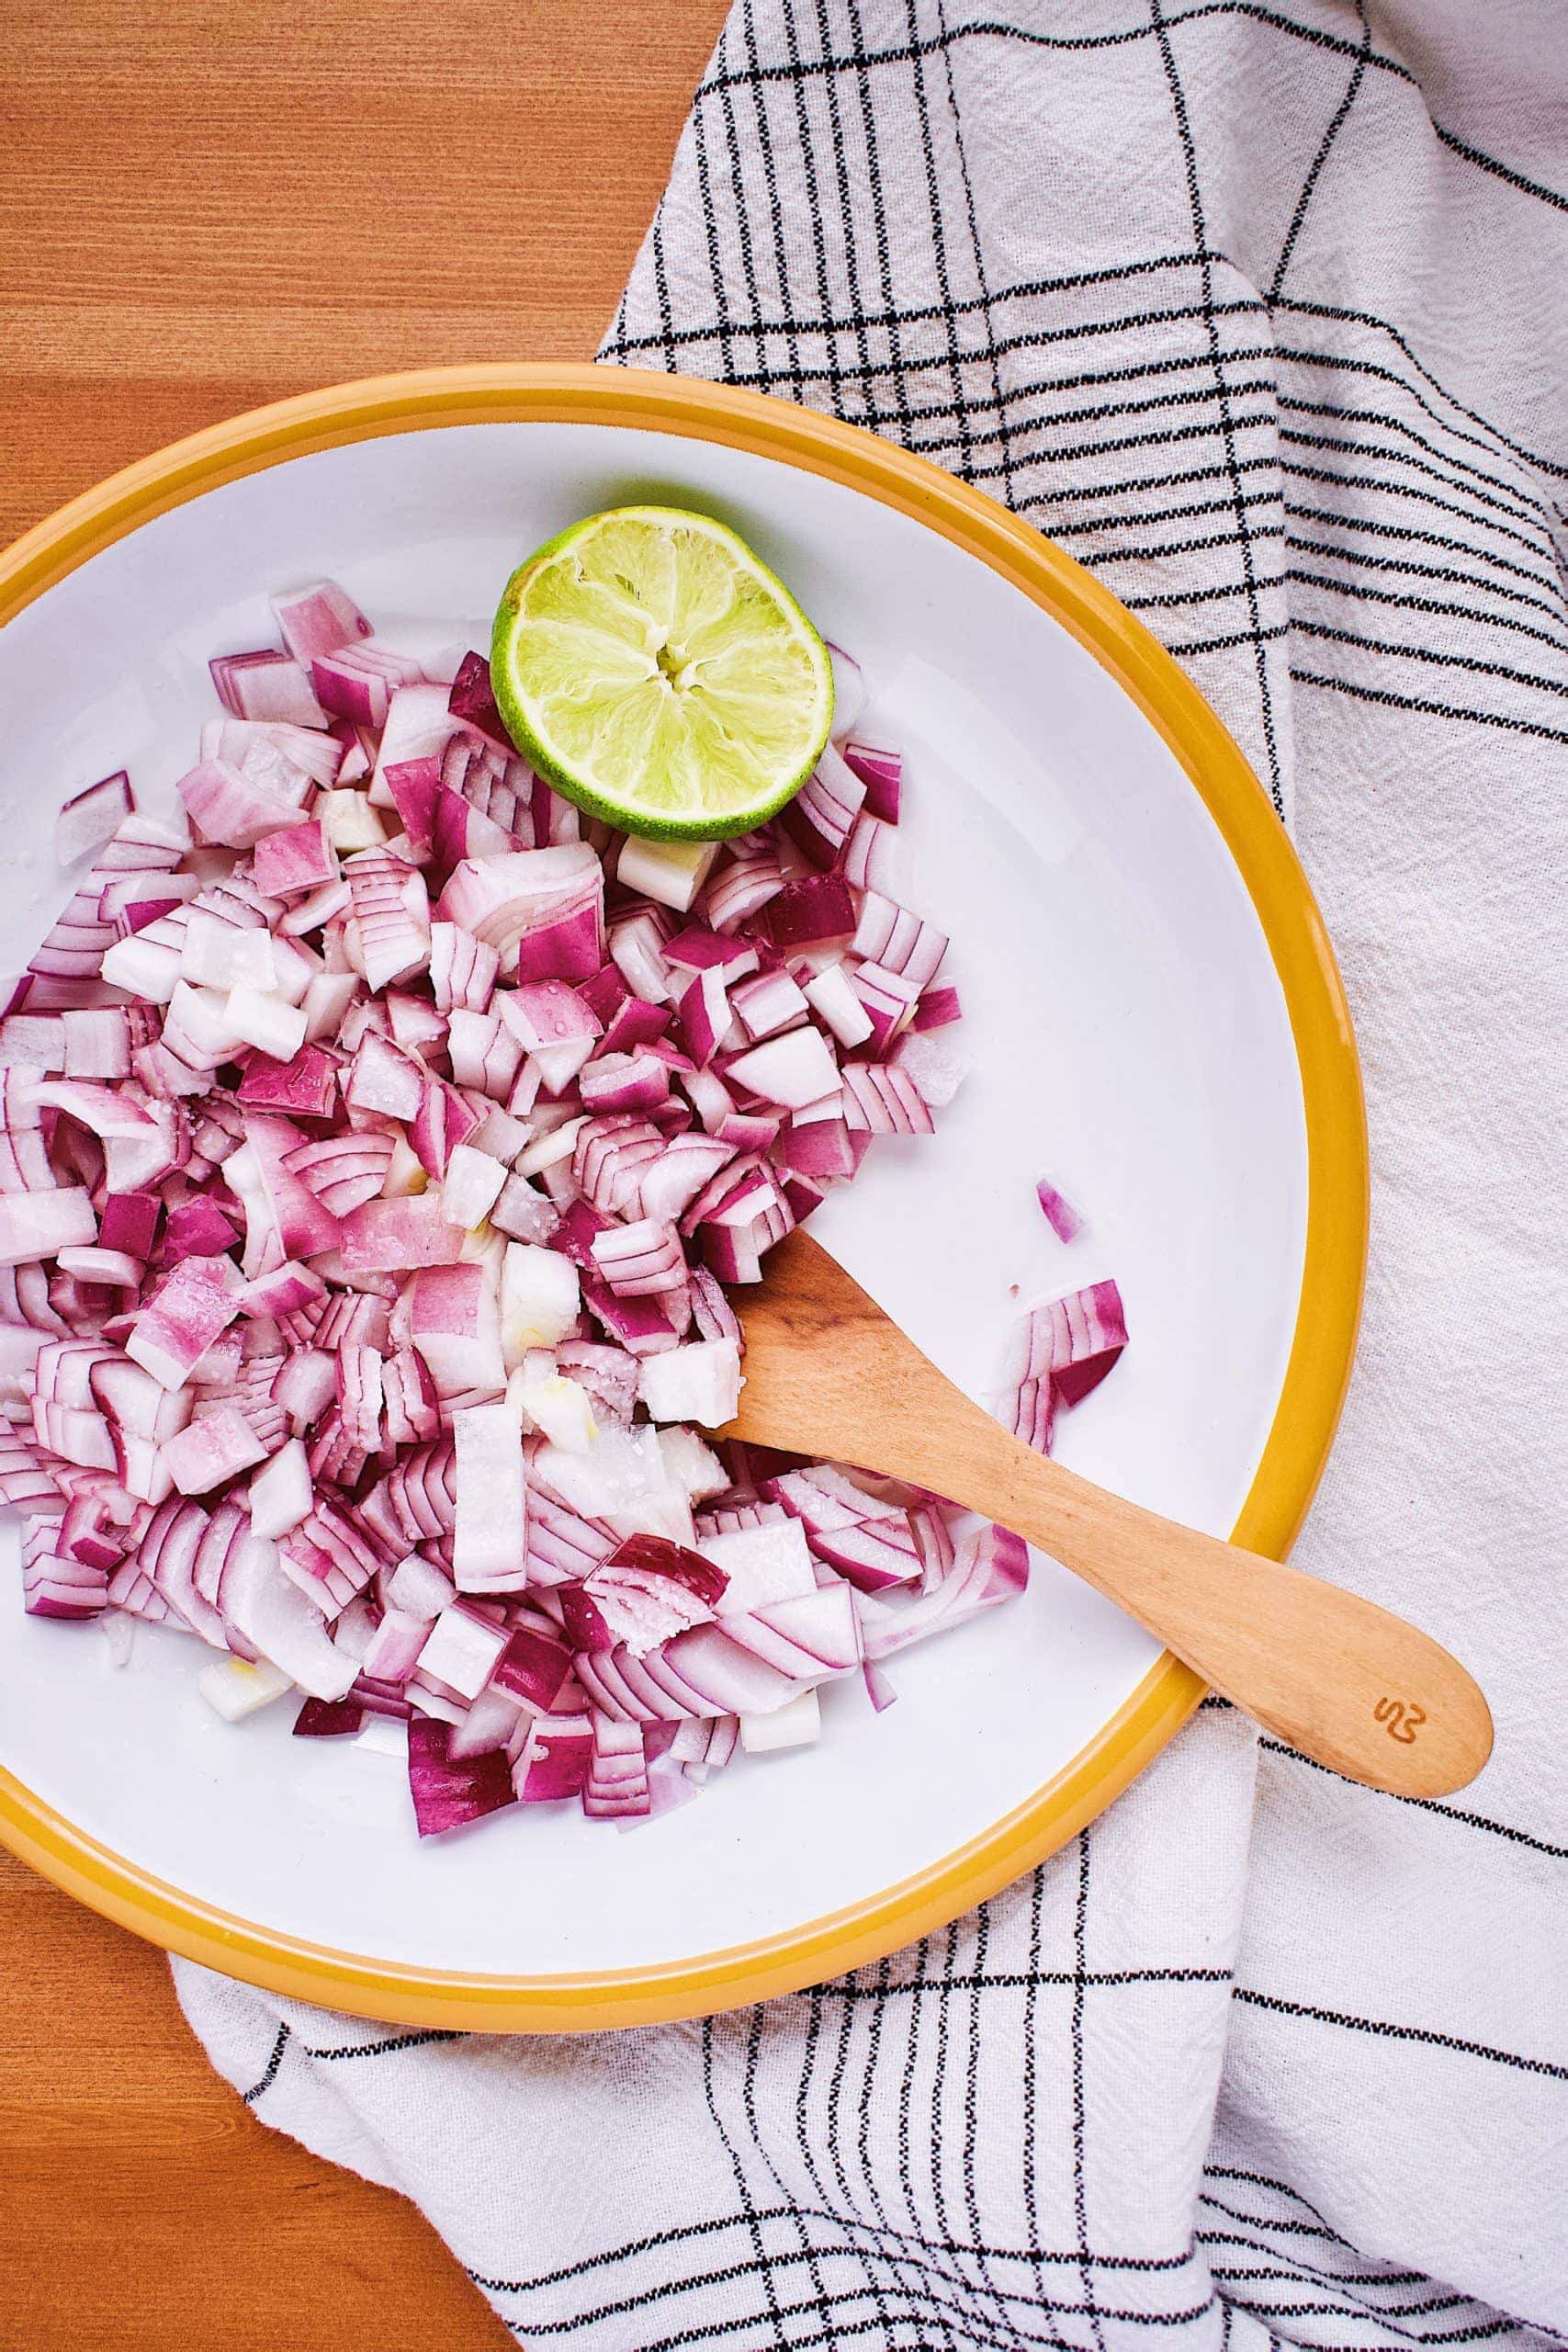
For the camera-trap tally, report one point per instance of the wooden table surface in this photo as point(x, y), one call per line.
point(204, 205)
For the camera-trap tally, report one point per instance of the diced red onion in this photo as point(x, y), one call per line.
point(280, 1622)
point(990, 1565)
point(890, 935)
point(226, 807)
point(92, 817)
point(394, 1236)
point(697, 949)
point(882, 773)
point(462, 970)
point(625, 1082)
point(887, 1000)
point(647, 1591)
point(490, 1539)
point(392, 913)
point(1072, 1341)
point(471, 699)
point(820, 816)
point(314, 1077)
point(635, 948)
point(461, 1651)
point(553, 1024)
point(819, 912)
point(295, 861)
point(449, 1792)
point(318, 619)
point(556, 1759)
point(210, 1451)
point(871, 1545)
point(870, 860)
point(267, 749)
point(329, 1559)
point(703, 1011)
point(741, 889)
point(641, 1260)
point(1058, 1212)
point(938, 1008)
point(767, 1003)
point(882, 1099)
point(502, 900)
point(794, 1070)
point(57, 1587)
point(356, 680)
point(936, 1065)
point(849, 689)
point(37, 1224)
point(266, 686)
point(305, 1087)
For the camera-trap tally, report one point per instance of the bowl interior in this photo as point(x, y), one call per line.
point(1128, 1038)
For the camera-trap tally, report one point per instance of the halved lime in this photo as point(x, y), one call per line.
point(654, 670)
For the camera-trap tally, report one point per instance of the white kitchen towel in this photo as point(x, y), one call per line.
point(1258, 310)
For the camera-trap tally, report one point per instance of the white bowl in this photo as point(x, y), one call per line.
point(1155, 1024)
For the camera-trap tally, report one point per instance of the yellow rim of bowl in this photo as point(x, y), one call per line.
point(1324, 1343)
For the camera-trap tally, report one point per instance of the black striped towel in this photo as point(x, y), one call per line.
point(1258, 308)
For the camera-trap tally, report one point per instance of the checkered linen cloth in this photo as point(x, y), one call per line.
point(1258, 310)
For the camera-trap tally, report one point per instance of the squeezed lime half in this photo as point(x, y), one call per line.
point(653, 669)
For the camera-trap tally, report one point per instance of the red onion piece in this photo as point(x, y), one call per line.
point(226, 808)
point(296, 860)
point(819, 819)
point(556, 1759)
point(937, 1009)
point(870, 861)
point(815, 914)
point(472, 700)
point(328, 1719)
point(130, 1221)
point(92, 817)
point(882, 773)
point(334, 1075)
point(1058, 1212)
point(318, 619)
point(449, 1792)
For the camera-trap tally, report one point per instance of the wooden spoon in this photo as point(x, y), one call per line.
point(1343, 1681)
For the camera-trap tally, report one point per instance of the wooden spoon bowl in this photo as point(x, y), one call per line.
point(1349, 1684)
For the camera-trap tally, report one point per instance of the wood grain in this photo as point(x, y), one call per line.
point(206, 205)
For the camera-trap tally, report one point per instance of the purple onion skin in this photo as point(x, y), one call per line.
point(448, 1793)
point(328, 1719)
point(472, 699)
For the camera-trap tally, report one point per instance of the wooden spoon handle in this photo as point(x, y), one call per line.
point(1340, 1679)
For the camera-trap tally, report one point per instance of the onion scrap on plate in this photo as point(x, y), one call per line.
point(376, 1147)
